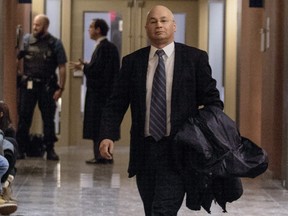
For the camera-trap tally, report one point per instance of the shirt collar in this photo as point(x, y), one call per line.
point(169, 49)
point(100, 39)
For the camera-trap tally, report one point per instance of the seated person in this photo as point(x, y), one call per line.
point(9, 146)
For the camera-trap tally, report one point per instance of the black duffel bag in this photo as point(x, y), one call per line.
point(212, 144)
point(36, 146)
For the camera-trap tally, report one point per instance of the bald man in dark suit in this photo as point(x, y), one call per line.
point(189, 84)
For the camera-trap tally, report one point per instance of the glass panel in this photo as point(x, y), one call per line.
point(216, 42)
point(180, 19)
point(53, 11)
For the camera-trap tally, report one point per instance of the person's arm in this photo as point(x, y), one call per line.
point(207, 92)
point(62, 81)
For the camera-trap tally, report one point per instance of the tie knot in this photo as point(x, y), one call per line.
point(160, 52)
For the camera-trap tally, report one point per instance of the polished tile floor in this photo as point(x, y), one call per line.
point(72, 188)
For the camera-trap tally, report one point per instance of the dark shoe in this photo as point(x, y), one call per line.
point(99, 161)
point(110, 161)
point(91, 161)
point(51, 155)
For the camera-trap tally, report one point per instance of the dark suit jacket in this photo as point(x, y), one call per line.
point(192, 86)
point(99, 72)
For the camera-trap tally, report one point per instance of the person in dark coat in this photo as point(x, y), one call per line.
point(189, 84)
point(99, 73)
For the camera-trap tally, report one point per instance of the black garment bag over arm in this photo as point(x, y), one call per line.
point(232, 154)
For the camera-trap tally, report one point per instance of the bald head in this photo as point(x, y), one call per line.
point(40, 25)
point(160, 26)
point(42, 18)
point(160, 9)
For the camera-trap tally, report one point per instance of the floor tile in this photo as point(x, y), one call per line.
point(70, 187)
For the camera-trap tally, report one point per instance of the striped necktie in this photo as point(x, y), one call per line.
point(157, 122)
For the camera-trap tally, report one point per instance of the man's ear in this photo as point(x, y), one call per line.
point(98, 30)
point(1, 114)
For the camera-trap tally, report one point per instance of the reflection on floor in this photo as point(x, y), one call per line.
point(72, 188)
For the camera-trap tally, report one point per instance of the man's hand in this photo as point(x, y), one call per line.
point(57, 94)
point(76, 65)
point(106, 149)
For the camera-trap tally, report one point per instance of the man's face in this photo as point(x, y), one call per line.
point(39, 27)
point(160, 26)
point(92, 31)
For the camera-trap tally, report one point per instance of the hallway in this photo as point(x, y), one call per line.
point(72, 188)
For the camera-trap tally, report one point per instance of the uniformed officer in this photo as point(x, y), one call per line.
point(42, 54)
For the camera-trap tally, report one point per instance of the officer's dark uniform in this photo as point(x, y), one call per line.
point(38, 84)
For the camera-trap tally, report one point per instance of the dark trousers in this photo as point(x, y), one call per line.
point(47, 106)
point(96, 150)
point(161, 188)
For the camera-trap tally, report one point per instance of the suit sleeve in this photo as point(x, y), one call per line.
point(116, 105)
point(207, 93)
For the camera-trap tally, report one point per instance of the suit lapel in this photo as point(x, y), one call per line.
point(142, 65)
point(177, 72)
point(94, 55)
point(176, 85)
